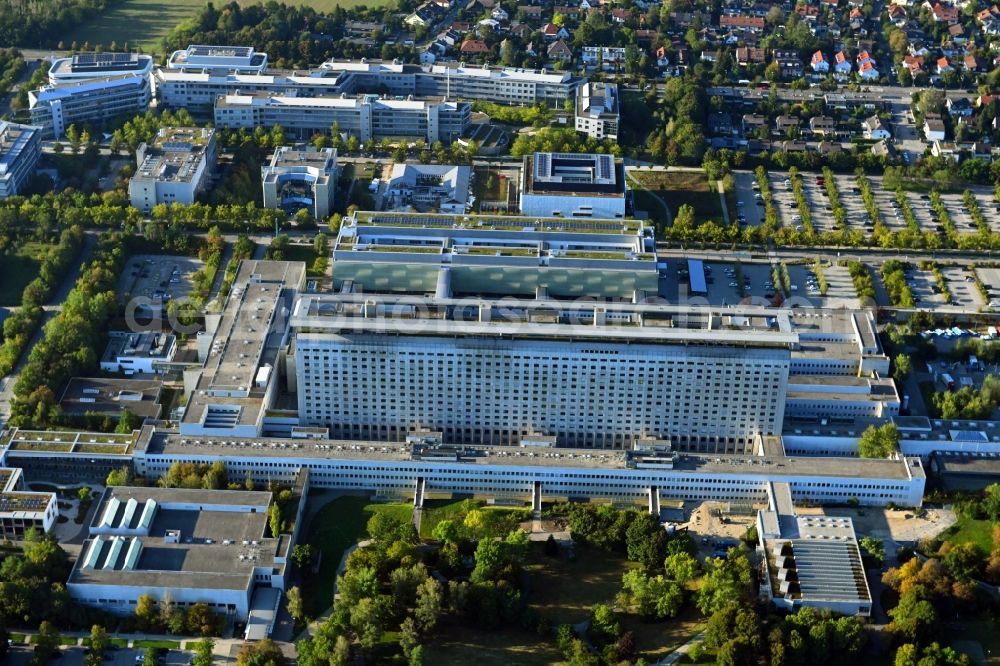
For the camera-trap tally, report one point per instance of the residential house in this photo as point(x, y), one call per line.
point(789, 64)
point(867, 71)
point(709, 56)
point(973, 63)
point(942, 66)
point(529, 12)
point(819, 63)
point(749, 55)
point(752, 121)
point(474, 47)
point(500, 14)
point(874, 128)
point(943, 14)
point(662, 60)
point(933, 129)
point(959, 107)
point(608, 56)
point(790, 146)
point(946, 149)
point(559, 51)
point(619, 15)
point(829, 148)
point(785, 123)
point(914, 63)
point(822, 125)
point(841, 63)
point(645, 37)
point(807, 12)
point(572, 13)
point(742, 23)
point(551, 32)
point(884, 149)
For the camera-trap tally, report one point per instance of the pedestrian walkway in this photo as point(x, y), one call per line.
point(675, 656)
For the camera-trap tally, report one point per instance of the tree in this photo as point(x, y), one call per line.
point(446, 531)
point(296, 607)
point(604, 626)
point(99, 643)
point(726, 580)
point(914, 618)
point(903, 367)
point(203, 652)
point(202, 621)
point(274, 520)
point(429, 601)
point(149, 656)
point(681, 567)
point(874, 547)
point(879, 441)
point(146, 612)
point(261, 653)
point(302, 555)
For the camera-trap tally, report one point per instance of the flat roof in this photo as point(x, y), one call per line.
point(655, 323)
point(776, 467)
point(246, 340)
point(104, 395)
point(573, 174)
point(14, 141)
point(215, 549)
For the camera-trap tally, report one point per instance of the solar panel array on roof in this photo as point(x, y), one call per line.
point(968, 436)
point(83, 62)
point(23, 502)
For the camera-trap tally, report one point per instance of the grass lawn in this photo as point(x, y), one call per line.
point(17, 638)
point(461, 646)
point(564, 591)
point(137, 22)
point(165, 645)
point(437, 510)
point(336, 527)
point(979, 532)
point(655, 640)
point(20, 269)
point(683, 187)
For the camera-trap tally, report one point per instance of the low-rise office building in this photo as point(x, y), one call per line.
point(193, 546)
point(173, 168)
point(231, 393)
point(21, 510)
point(810, 560)
point(301, 178)
point(66, 456)
point(84, 66)
point(229, 58)
point(443, 188)
point(368, 118)
point(462, 255)
point(143, 352)
point(196, 89)
point(94, 101)
point(597, 110)
point(111, 397)
point(20, 150)
point(573, 185)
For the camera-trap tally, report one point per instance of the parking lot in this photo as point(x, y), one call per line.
point(159, 277)
point(753, 213)
point(854, 207)
point(963, 290)
point(990, 277)
point(924, 288)
point(757, 287)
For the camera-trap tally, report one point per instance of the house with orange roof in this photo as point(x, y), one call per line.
point(943, 66)
point(841, 63)
point(867, 71)
point(819, 63)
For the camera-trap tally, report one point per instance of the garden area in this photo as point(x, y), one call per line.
point(21, 267)
point(332, 530)
point(677, 188)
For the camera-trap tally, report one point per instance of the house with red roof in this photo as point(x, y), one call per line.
point(819, 63)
